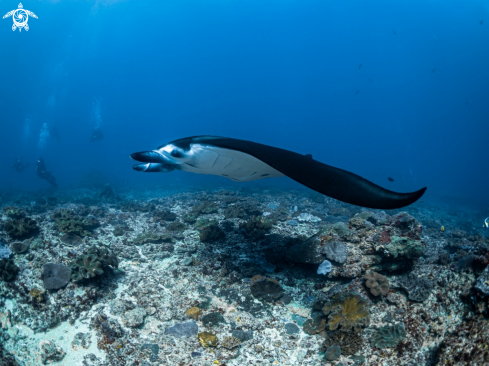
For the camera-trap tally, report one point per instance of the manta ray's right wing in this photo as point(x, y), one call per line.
point(9, 14)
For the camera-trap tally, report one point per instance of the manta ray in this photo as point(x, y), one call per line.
point(244, 161)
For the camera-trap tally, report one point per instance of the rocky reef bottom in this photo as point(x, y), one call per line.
point(190, 276)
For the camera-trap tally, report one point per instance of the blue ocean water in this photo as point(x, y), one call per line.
point(380, 88)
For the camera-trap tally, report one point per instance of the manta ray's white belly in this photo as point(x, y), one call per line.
point(232, 164)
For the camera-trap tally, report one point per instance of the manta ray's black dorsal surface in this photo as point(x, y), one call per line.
point(330, 181)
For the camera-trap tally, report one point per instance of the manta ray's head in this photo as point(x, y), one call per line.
point(165, 158)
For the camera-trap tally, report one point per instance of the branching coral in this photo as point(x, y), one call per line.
point(348, 311)
point(377, 283)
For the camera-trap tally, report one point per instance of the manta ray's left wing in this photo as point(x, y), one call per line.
point(9, 14)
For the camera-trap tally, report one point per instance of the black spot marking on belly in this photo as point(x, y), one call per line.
point(264, 175)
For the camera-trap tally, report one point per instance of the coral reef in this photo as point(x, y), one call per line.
point(177, 226)
point(207, 339)
point(468, 344)
point(154, 238)
point(482, 283)
point(266, 289)
point(211, 233)
point(205, 207)
point(335, 251)
point(159, 216)
point(8, 269)
point(13, 212)
point(50, 352)
point(377, 283)
point(348, 311)
point(21, 228)
point(256, 227)
point(388, 336)
point(418, 289)
point(92, 264)
point(68, 222)
point(350, 342)
point(333, 353)
point(21, 247)
point(71, 239)
point(404, 247)
point(55, 276)
point(325, 267)
point(314, 326)
point(233, 212)
point(158, 291)
point(194, 313)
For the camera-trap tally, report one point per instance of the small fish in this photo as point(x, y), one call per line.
point(357, 92)
point(486, 223)
point(442, 228)
point(432, 71)
point(481, 22)
point(393, 30)
point(360, 66)
point(390, 179)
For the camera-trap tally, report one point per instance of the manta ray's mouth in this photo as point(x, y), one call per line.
point(152, 157)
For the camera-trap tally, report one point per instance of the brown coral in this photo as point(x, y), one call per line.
point(266, 289)
point(350, 342)
point(314, 326)
point(194, 313)
point(349, 310)
point(377, 283)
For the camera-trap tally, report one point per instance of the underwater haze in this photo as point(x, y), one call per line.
point(379, 88)
point(113, 253)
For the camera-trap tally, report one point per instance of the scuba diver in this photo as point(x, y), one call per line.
point(54, 132)
point(43, 174)
point(97, 135)
point(19, 166)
